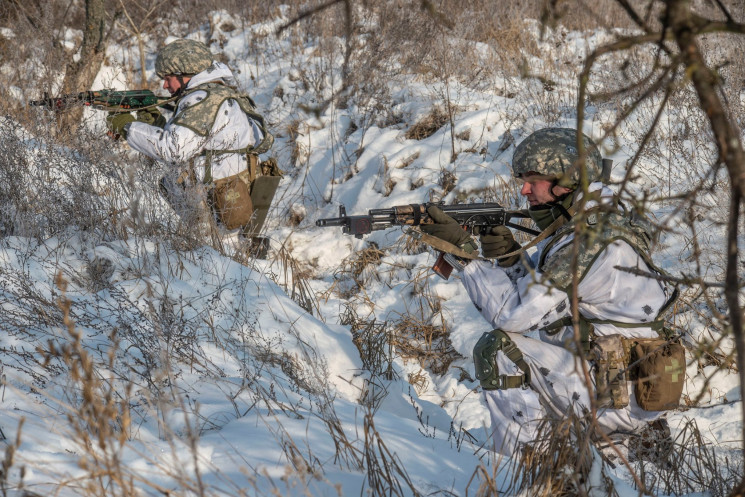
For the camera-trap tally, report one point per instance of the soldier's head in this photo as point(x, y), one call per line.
point(178, 61)
point(547, 163)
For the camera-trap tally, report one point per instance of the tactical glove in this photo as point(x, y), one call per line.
point(446, 228)
point(116, 122)
point(499, 241)
point(152, 116)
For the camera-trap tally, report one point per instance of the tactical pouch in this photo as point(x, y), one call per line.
point(231, 199)
point(658, 369)
point(610, 364)
point(263, 188)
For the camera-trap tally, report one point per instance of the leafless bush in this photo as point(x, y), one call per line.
point(99, 417)
point(685, 464)
point(35, 177)
point(9, 461)
point(560, 461)
point(564, 459)
point(386, 474)
point(293, 278)
point(108, 388)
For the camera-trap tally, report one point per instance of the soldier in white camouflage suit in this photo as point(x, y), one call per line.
point(528, 366)
point(214, 132)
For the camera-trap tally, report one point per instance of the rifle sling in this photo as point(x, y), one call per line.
point(558, 223)
point(442, 245)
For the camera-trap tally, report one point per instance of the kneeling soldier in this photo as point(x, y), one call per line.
point(529, 365)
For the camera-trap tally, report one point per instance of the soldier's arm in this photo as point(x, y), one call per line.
point(171, 144)
point(519, 306)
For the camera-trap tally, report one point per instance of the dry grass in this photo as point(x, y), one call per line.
point(361, 267)
point(410, 42)
point(685, 464)
point(424, 342)
point(559, 461)
point(428, 126)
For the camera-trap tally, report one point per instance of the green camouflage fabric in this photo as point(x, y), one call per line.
point(599, 231)
point(553, 152)
point(183, 57)
point(201, 116)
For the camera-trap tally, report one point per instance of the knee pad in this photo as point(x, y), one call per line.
point(485, 362)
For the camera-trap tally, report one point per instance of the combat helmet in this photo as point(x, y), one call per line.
point(183, 57)
point(553, 152)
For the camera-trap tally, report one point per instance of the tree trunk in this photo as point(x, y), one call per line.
point(731, 153)
point(80, 74)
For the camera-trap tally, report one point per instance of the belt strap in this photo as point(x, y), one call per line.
point(253, 161)
point(587, 330)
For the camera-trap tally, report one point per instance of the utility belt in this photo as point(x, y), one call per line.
point(655, 366)
point(243, 199)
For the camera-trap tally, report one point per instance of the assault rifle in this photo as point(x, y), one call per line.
point(110, 100)
point(476, 218)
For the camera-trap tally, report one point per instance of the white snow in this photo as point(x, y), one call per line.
point(234, 387)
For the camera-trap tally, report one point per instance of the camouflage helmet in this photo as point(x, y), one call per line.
point(183, 57)
point(553, 152)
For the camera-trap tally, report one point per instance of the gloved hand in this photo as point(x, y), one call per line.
point(499, 241)
point(445, 228)
point(151, 116)
point(116, 121)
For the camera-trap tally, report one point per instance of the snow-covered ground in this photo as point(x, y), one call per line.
point(222, 383)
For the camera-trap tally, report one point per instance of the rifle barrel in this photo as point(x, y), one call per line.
point(332, 221)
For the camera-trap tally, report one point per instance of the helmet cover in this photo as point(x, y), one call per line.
point(183, 57)
point(553, 152)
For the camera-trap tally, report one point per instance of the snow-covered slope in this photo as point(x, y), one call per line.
point(220, 382)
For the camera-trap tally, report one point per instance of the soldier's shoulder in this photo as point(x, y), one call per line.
point(192, 98)
point(576, 246)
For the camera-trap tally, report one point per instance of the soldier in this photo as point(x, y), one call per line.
point(214, 137)
point(528, 366)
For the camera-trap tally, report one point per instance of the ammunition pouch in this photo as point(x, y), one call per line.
point(263, 189)
point(485, 362)
point(655, 366)
point(610, 363)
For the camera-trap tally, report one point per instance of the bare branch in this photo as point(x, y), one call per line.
point(682, 280)
point(634, 16)
point(307, 14)
point(724, 10)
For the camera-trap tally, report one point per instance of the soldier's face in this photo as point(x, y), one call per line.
point(173, 83)
point(539, 190)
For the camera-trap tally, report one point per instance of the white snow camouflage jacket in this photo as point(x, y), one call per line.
point(520, 301)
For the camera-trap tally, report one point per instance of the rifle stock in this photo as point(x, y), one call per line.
point(473, 217)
